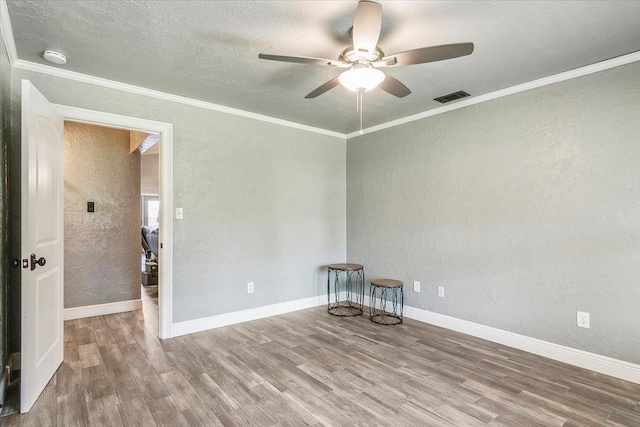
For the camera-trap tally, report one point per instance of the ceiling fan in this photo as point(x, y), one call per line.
point(364, 58)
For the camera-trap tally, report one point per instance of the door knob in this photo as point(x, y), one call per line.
point(40, 261)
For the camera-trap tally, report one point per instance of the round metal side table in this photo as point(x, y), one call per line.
point(386, 301)
point(347, 296)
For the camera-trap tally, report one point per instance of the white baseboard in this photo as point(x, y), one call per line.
point(583, 359)
point(102, 309)
point(205, 323)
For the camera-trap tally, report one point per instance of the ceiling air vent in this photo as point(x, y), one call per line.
point(452, 97)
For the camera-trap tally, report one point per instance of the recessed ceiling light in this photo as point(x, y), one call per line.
point(55, 57)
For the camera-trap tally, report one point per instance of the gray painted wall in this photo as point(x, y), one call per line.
point(262, 202)
point(149, 178)
point(525, 208)
point(101, 249)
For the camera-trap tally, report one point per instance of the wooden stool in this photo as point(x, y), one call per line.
point(381, 292)
point(345, 302)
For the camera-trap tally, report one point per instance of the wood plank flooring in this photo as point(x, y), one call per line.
point(311, 369)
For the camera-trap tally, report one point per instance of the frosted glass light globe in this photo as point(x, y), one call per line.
point(365, 78)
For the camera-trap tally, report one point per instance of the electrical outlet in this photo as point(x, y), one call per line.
point(583, 320)
point(250, 287)
point(179, 213)
point(416, 286)
point(441, 291)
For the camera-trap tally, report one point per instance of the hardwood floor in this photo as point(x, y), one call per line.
point(311, 369)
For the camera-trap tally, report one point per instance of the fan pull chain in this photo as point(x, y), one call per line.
point(359, 98)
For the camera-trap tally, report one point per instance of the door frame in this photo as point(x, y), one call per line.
point(165, 130)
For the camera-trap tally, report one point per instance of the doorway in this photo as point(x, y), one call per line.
point(150, 203)
point(41, 232)
point(105, 171)
point(101, 227)
point(165, 193)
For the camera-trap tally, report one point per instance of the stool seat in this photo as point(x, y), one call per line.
point(387, 283)
point(346, 267)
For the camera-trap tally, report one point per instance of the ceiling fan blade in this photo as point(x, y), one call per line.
point(366, 26)
point(428, 54)
point(394, 86)
point(323, 88)
point(304, 60)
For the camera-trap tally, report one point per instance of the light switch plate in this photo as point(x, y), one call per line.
point(179, 213)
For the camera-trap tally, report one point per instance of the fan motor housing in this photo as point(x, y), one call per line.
point(353, 56)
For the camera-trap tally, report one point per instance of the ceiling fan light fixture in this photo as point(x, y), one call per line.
point(364, 58)
point(365, 78)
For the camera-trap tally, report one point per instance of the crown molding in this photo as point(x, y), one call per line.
point(7, 33)
point(5, 26)
point(138, 90)
point(556, 78)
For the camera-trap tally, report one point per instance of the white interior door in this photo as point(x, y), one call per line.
point(42, 240)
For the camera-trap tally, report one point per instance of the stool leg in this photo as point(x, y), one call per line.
point(361, 274)
point(352, 301)
point(395, 301)
point(336, 286)
point(372, 301)
point(329, 289)
point(383, 302)
point(380, 298)
point(401, 305)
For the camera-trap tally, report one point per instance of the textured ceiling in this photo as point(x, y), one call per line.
point(209, 50)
